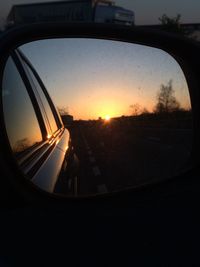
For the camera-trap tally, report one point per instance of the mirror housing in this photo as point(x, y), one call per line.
point(186, 52)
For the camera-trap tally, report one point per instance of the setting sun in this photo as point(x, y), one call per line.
point(107, 118)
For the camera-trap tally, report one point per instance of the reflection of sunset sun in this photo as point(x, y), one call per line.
point(107, 118)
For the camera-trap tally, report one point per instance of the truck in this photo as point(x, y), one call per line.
point(107, 12)
point(98, 11)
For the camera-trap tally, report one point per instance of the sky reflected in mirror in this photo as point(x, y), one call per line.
point(98, 78)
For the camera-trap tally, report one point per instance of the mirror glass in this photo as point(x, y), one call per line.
point(91, 116)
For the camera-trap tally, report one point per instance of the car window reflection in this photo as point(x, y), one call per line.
point(21, 122)
point(47, 108)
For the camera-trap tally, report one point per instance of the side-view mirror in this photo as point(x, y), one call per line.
point(92, 109)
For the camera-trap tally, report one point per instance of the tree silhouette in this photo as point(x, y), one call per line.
point(144, 111)
point(171, 24)
point(63, 110)
point(166, 101)
point(21, 145)
point(135, 109)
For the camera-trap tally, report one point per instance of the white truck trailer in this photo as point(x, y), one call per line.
point(99, 11)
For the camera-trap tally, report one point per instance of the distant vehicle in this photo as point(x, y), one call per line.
point(67, 119)
point(107, 12)
point(100, 11)
point(38, 139)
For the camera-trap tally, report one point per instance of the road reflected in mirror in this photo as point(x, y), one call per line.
point(106, 115)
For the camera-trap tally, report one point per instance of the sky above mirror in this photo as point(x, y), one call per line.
point(98, 78)
point(146, 12)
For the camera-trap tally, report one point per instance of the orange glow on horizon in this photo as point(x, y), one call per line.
point(111, 103)
point(107, 118)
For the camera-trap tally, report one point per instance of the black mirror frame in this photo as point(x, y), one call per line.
point(186, 52)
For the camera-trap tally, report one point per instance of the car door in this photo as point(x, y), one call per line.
point(34, 128)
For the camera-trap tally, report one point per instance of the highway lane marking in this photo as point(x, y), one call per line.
point(83, 136)
point(96, 171)
point(102, 188)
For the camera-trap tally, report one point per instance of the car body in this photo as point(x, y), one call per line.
point(49, 148)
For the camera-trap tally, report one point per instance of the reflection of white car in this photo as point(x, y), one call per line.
point(37, 136)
